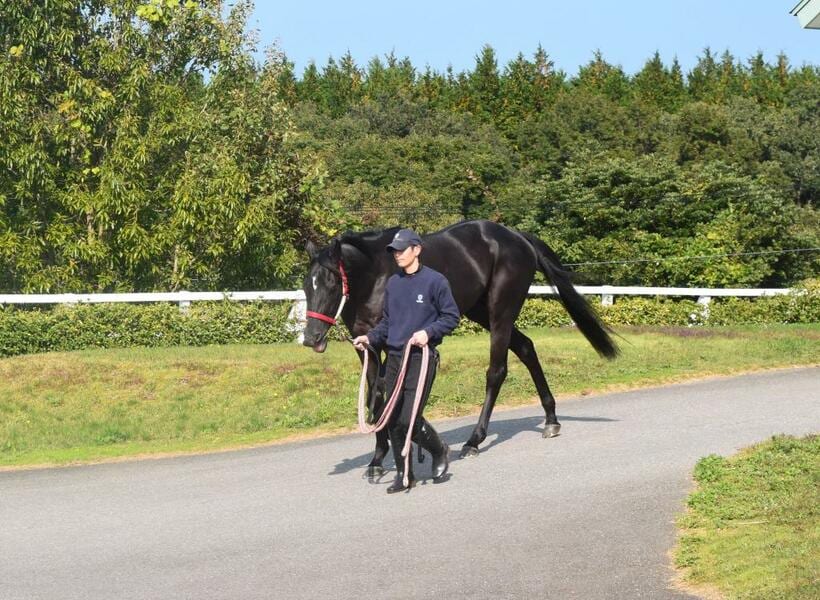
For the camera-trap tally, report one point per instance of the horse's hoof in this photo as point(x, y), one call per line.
point(468, 451)
point(551, 430)
point(374, 472)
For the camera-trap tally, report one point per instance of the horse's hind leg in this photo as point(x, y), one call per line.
point(496, 374)
point(525, 350)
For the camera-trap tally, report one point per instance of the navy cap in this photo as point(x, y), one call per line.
point(403, 239)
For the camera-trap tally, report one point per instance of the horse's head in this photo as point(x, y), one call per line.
point(325, 289)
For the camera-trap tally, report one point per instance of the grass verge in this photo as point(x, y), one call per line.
point(753, 525)
point(60, 408)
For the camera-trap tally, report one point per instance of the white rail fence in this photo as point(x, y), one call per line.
point(607, 294)
point(184, 299)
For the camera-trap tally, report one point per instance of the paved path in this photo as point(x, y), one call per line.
point(586, 515)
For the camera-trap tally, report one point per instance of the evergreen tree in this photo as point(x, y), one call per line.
point(658, 86)
point(435, 90)
point(484, 86)
point(703, 79)
point(548, 82)
point(341, 85)
point(598, 76)
point(765, 81)
point(309, 88)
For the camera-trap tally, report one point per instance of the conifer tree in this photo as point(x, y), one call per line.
point(484, 85)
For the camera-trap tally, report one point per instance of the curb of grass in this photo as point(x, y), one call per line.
point(335, 432)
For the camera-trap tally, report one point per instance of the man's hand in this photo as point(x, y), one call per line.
point(360, 342)
point(419, 338)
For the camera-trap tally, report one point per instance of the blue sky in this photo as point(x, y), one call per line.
point(445, 33)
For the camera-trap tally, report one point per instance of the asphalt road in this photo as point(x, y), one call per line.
point(585, 515)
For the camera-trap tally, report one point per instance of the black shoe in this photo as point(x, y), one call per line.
point(428, 438)
point(396, 443)
point(398, 485)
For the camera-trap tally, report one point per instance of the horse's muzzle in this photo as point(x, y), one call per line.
point(315, 340)
point(318, 344)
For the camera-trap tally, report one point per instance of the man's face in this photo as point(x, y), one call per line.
point(405, 258)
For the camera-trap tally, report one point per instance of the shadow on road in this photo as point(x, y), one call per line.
point(500, 431)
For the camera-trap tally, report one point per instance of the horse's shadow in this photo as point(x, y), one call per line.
point(501, 430)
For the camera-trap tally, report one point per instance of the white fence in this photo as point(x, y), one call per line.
point(184, 299)
point(297, 313)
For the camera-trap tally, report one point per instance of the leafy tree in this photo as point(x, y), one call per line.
point(141, 150)
point(651, 222)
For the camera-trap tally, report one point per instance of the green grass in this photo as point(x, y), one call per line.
point(753, 525)
point(59, 408)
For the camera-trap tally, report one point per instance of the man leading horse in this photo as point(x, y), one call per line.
point(419, 310)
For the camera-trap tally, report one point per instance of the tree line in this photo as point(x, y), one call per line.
point(142, 147)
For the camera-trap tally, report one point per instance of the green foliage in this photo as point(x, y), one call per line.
point(608, 212)
point(157, 325)
point(76, 327)
point(143, 149)
point(654, 171)
point(751, 529)
point(800, 306)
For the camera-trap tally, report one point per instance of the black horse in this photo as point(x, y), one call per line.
point(490, 269)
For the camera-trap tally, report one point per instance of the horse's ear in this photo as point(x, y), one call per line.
point(334, 250)
point(312, 249)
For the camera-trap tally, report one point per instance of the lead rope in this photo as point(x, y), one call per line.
point(391, 404)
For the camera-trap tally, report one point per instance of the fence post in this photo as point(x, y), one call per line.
point(297, 319)
point(704, 302)
point(184, 305)
point(607, 299)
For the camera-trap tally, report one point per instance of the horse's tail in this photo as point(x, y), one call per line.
point(576, 305)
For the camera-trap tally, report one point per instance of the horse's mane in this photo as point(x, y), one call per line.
point(368, 242)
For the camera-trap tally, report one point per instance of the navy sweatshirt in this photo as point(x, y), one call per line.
point(414, 302)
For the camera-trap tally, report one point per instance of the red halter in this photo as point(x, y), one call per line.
point(345, 296)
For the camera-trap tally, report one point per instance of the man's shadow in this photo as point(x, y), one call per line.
point(502, 430)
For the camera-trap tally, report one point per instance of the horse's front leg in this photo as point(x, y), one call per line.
point(375, 405)
point(375, 468)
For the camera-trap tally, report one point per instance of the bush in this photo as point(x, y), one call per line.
point(799, 306)
point(77, 327)
point(67, 327)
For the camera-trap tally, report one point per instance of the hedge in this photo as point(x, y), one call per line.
point(75, 327)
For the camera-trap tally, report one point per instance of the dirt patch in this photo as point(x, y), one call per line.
point(60, 376)
point(195, 379)
point(684, 332)
point(196, 367)
point(678, 582)
point(132, 380)
point(284, 369)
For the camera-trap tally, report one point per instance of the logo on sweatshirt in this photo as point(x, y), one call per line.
point(420, 299)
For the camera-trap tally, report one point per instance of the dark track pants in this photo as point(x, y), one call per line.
point(400, 420)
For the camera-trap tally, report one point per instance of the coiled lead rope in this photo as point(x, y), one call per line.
point(391, 403)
